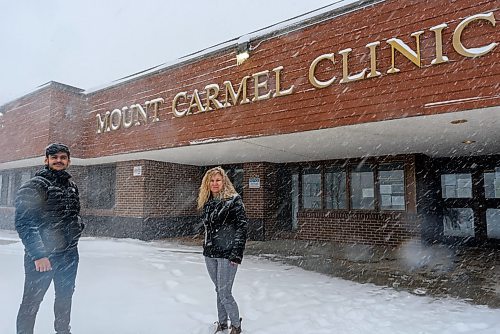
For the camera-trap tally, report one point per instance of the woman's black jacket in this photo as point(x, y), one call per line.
point(225, 228)
point(47, 214)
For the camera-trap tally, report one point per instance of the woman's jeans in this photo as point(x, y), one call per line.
point(63, 273)
point(222, 273)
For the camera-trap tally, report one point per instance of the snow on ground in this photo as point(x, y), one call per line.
point(132, 287)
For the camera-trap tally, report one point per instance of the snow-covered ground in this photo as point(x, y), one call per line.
point(128, 286)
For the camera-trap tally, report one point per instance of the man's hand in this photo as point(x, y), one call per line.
point(43, 265)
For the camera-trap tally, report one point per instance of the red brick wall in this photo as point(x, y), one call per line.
point(26, 121)
point(25, 127)
point(389, 96)
point(367, 228)
point(255, 199)
point(54, 113)
point(130, 190)
point(67, 118)
point(171, 190)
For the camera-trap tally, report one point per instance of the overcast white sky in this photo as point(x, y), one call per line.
point(89, 43)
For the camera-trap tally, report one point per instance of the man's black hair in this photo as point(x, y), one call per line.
point(55, 148)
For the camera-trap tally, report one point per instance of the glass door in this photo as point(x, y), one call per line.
point(458, 215)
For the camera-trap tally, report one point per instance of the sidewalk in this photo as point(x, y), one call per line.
point(471, 274)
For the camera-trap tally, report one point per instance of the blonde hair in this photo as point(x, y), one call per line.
point(226, 191)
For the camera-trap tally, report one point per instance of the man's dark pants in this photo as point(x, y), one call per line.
point(63, 273)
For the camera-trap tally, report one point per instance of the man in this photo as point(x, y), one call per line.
point(48, 222)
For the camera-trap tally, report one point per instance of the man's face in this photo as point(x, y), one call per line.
point(58, 161)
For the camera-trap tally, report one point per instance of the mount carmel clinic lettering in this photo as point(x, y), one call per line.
point(190, 103)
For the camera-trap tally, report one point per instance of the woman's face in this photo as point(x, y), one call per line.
point(215, 183)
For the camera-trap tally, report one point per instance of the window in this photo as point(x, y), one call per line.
point(362, 188)
point(15, 183)
point(101, 187)
point(295, 200)
point(392, 186)
point(458, 222)
point(353, 187)
point(25, 176)
point(456, 185)
point(4, 189)
point(492, 184)
point(335, 183)
point(493, 223)
point(311, 189)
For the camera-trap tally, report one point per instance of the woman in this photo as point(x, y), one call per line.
point(225, 236)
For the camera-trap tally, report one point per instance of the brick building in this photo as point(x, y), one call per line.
point(376, 122)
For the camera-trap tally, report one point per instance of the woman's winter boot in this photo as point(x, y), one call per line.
point(220, 327)
point(236, 330)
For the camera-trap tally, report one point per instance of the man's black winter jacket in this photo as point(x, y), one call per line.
point(225, 228)
point(47, 214)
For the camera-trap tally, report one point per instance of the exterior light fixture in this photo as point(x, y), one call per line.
point(468, 141)
point(459, 121)
point(243, 50)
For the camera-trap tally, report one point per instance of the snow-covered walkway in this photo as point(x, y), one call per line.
point(127, 286)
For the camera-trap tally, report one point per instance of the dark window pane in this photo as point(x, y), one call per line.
point(295, 200)
point(4, 189)
point(458, 222)
point(493, 223)
point(15, 183)
point(456, 185)
point(336, 194)
point(492, 184)
point(392, 187)
point(311, 189)
point(101, 187)
point(362, 188)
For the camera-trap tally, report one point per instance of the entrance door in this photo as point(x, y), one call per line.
point(287, 195)
point(458, 205)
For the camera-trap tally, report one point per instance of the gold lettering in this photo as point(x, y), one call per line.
point(405, 50)
point(195, 102)
point(156, 105)
point(125, 111)
point(373, 59)
point(258, 85)
point(438, 32)
point(234, 97)
point(457, 37)
point(103, 124)
point(175, 101)
point(345, 68)
point(116, 114)
point(278, 92)
point(139, 111)
point(212, 93)
point(312, 70)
